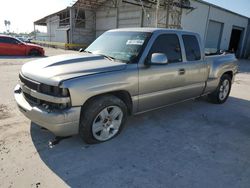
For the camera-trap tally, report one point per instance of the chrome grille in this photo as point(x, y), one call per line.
point(39, 94)
point(30, 83)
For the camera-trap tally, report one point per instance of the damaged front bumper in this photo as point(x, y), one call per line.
point(60, 122)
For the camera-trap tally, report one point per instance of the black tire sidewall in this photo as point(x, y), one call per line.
point(34, 52)
point(90, 112)
point(224, 77)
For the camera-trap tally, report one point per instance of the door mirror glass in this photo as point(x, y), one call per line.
point(159, 58)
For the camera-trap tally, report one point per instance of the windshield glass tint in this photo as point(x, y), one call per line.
point(124, 46)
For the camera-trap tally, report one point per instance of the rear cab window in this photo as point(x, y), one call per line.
point(192, 47)
point(168, 44)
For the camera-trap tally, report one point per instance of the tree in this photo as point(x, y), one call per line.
point(33, 33)
point(7, 25)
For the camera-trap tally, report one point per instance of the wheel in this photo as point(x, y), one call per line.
point(222, 92)
point(34, 52)
point(102, 119)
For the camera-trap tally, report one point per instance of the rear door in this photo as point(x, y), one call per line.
point(196, 69)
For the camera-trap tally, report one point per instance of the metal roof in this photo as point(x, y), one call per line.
point(89, 4)
point(95, 4)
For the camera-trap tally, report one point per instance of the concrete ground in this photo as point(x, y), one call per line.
point(192, 144)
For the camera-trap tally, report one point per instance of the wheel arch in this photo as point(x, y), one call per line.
point(34, 49)
point(121, 94)
point(229, 73)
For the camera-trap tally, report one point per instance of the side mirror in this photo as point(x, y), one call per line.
point(81, 50)
point(159, 59)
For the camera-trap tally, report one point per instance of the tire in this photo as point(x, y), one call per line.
point(34, 52)
point(220, 95)
point(102, 119)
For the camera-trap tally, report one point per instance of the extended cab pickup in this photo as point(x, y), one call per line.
point(123, 72)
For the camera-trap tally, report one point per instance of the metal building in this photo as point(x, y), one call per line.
point(87, 19)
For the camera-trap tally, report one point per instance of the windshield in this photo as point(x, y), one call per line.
point(123, 46)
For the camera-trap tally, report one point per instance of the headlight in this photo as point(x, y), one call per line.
point(54, 90)
point(65, 92)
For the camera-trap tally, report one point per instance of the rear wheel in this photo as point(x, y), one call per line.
point(222, 92)
point(102, 119)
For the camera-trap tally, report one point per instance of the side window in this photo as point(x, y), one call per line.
point(8, 40)
point(13, 41)
point(4, 40)
point(169, 45)
point(192, 47)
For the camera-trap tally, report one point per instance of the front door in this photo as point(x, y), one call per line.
point(11, 46)
point(160, 85)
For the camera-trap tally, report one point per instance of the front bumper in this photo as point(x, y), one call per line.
point(61, 123)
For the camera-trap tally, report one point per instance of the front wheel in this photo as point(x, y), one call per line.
point(34, 52)
point(102, 119)
point(222, 92)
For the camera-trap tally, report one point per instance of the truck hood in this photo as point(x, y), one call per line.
point(53, 70)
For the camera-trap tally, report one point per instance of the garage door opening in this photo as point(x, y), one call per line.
point(235, 41)
point(214, 34)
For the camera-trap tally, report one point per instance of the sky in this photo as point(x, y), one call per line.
point(22, 13)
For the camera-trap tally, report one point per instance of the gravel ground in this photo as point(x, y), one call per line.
point(192, 144)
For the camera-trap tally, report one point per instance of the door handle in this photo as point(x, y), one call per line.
point(182, 71)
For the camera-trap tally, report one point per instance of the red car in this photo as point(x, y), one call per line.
point(12, 46)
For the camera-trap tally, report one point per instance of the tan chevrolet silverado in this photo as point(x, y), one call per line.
point(123, 72)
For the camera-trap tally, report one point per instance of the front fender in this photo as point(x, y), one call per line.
point(83, 88)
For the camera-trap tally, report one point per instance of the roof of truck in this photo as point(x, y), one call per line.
point(152, 30)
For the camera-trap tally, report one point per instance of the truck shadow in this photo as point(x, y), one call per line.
point(171, 147)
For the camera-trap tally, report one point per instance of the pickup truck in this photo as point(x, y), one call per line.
point(123, 72)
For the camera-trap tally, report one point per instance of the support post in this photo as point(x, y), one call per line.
point(71, 24)
point(156, 13)
point(117, 13)
point(168, 13)
point(34, 31)
point(142, 17)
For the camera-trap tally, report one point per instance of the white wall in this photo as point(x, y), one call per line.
point(126, 15)
point(41, 36)
point(85, 35)
point(105, 20)
point(52, 25)
point(60, 35)
point(54, 32)
point(129, 16)
point(197, 21)
point(229, 21)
